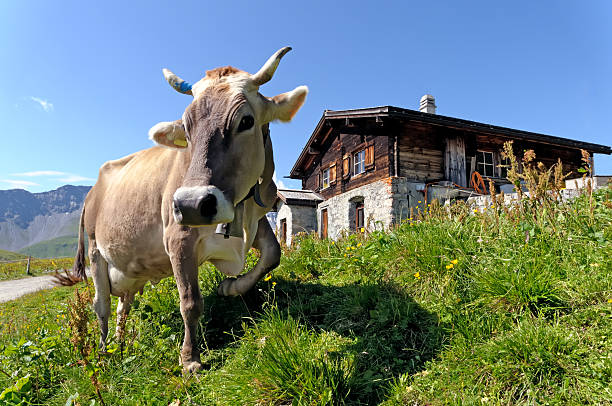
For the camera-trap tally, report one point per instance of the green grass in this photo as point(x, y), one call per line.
point(502, 307)
point(17, 269)
point(55, 248)
point(10, 256)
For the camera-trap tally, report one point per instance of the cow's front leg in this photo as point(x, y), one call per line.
point(265, 241)
point(180, 245)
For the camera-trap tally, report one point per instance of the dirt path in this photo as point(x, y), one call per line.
point(13, 289)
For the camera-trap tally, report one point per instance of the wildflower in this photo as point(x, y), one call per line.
point(594, 264)
point(609, 300)
point(449, 266)
point(419, 201)
point(344, 255)
point(417, 275)
point(359, 245)
point(475, 210)
point(454, 261)
point(273, 284)
point(352, 248)
point(268, 277)
point(362, 229)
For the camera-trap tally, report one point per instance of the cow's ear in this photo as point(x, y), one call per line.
point(285, 105)
point(169, 134)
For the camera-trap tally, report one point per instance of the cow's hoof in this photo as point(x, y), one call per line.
point(225, 287)
point(191, 367)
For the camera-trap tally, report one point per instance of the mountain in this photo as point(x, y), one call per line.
point(31, 218)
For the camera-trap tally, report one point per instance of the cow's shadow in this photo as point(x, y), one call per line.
point(390, 333)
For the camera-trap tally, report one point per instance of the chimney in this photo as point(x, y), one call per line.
point(428, 104)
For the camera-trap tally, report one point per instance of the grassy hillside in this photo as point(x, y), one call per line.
point(55, 248)
point(505, 306)
point(10, 256)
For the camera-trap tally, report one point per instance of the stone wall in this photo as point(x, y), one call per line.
point(300, 219)
point(384, 202)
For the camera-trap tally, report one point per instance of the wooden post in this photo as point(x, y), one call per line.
point(28, 266)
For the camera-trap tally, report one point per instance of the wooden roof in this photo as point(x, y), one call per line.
point(370, 120)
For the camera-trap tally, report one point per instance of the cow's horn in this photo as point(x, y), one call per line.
point(267, 71)
point(177, 83)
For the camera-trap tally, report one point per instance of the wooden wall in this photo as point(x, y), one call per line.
point(421, 153)
point(341, 145)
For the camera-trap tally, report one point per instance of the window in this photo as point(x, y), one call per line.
point(325, 179)
point(324, 223)
point(484, 163)
point(358, 216)
point(359, 162)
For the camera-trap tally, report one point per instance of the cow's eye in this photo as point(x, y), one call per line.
point(246, 123)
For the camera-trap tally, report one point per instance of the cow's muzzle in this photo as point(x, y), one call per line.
point(201, 205)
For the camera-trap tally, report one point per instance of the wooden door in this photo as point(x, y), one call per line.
point(324, 223)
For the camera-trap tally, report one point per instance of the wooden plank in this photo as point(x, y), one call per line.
point(454, 161)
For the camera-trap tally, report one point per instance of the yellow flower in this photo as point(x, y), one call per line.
point(454, 261)
point(345, 255)
point(348, 248)
point(609, 300)
point(475, 210)
point(417, 275)
point(449, 266)
point(359, 245)
point(362, 229)
point(268, 277)
point(419, 201)
point(273, 284)
point(352, 248)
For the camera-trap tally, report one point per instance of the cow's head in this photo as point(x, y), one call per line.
point(221, 130)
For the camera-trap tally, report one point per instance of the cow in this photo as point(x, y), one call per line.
point(200, 195)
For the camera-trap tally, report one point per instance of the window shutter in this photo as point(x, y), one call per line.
point(332, 173)
point(346, 166)
point(369, 155)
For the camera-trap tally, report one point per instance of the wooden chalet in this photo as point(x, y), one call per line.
point(371, 165)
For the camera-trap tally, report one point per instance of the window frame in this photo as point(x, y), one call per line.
point(359, 208)
point(359, 162)
point(325, 179)
point(484, 164)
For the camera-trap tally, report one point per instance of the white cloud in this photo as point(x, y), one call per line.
point(23, 184)
point(45, 104)
point(74, 178)
point(279, 183)
point(57, 175)
point(40, 173)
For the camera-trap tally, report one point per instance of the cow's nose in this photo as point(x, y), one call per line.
point(201, 205)
point(208, 205)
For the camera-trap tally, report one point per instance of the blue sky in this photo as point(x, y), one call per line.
point(82, 83)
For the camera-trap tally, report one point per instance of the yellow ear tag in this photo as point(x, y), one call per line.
point(180, 143)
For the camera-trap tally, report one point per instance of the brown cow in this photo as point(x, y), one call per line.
point(200, 196)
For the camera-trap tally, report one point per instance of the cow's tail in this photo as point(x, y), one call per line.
point(78, 269)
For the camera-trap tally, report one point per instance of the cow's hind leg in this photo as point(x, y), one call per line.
point(265, 241)
point(101, 302)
